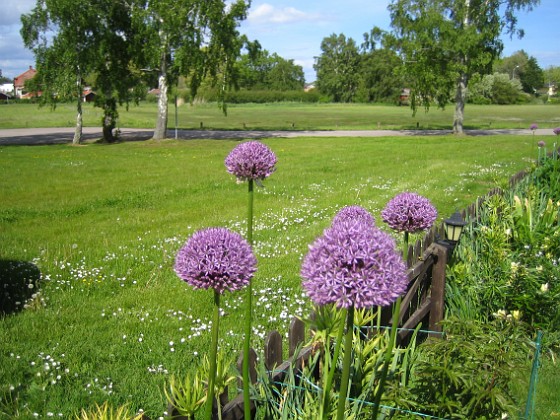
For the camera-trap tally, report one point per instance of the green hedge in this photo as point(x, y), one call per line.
point(261, 96)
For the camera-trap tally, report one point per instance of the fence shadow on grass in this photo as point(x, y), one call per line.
point(19, 282)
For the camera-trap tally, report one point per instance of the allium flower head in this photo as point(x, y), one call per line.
point(534, 127)
point(216, 258)
point(251, 160)
point(541, 143)
point(353, 264)
point(556, 131)
point(354, 212)
point(409, 212)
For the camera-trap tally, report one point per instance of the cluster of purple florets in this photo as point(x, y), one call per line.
point(354, 212)
point(216, 258)
point(251, 160)
point(353, 264)
point(409, 212)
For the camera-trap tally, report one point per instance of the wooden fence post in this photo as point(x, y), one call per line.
point(273, 350)
point(438, 287)
point(297, 335)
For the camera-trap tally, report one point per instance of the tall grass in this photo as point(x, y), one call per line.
point(109, 320)
point(288, 116)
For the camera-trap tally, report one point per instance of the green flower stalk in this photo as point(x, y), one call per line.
point(248, 315)
point(346, 364)
point(251, 161)
point(218, 259)
point(352, 265)
point(408, 213)
point(330, 367)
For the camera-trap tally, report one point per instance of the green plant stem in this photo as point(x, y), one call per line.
point(213, 355)
point(345, 380)
point(248, 314)
point(405, 247)
point(388, 357)
point(332, 369)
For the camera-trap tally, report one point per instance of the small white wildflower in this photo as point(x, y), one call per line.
point(544, 287)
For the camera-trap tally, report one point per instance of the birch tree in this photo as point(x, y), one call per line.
point(442, 43)
point(194, 38)
point(72, 40)
point(62, 44)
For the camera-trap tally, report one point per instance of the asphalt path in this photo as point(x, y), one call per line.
point(44, 136)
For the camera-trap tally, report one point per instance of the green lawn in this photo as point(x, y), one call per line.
point(102, 223)
point(287, 116)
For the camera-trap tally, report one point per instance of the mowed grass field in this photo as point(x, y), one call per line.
point(288, 116)
point(110, 321)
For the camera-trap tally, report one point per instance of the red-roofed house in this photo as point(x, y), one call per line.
point(19, 81)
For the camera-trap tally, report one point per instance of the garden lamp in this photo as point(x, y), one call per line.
point(454, 228)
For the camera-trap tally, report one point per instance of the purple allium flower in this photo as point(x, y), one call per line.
point(216, 258)
point(251, 160)
point(541, 144)
point(534, 127)
point(354, 212)
point(556, 130)
point(353, 263)
point(409, 212)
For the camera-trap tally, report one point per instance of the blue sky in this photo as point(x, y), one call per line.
point(294, 29)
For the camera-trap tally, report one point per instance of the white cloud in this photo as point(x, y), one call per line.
point(13, 9)
point(266, 13)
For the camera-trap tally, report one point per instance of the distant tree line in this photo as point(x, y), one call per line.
point(348, 73)
point(443, 52)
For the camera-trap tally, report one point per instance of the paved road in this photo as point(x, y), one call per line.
point(42, 136)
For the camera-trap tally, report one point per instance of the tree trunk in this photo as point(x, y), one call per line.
point(79, 123)
point(109, 119)
point(461, 88)
point(78, 131)
point(160, 132)
point(460, 97)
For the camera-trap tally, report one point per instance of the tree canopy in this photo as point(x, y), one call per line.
point(72, 40)
point(117, 43)
point(258, 69)
point(194, 38)
point(443, 43)
point(338, 68)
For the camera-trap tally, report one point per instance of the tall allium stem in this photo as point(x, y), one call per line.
point(213, 354)
point(388, 357)
point(248, 313)
point(332, 369)
point(405, 247)
point(346, 364)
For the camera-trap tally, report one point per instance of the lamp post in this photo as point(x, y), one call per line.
point(513, 72)
point(453, 229)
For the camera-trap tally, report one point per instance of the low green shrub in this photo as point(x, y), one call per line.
point(468, 374)
point(509, 261)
